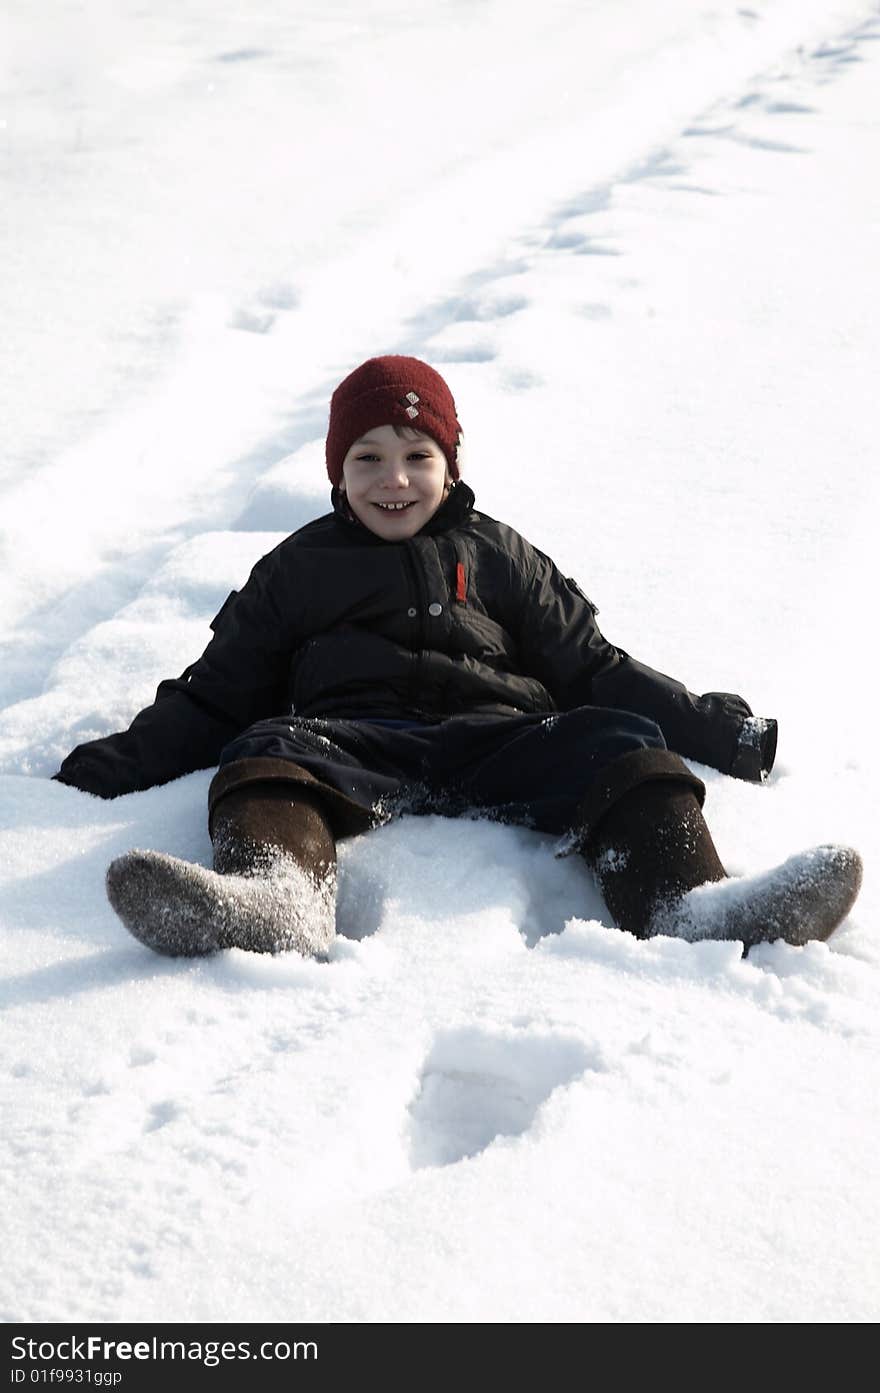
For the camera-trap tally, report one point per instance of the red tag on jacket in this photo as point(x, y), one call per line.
point(460, 590)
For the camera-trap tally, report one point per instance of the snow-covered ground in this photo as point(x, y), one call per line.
point(640, 241)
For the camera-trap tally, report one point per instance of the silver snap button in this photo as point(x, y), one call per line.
point(412, 613)
point(435, 609)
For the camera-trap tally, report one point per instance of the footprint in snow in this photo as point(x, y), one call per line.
point(477, 1086)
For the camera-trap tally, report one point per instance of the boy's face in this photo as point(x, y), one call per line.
point(383, 470)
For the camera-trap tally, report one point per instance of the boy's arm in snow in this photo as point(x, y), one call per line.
point(240, 678)
point(562, 645)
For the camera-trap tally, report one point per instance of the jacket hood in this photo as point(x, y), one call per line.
point(457, 505)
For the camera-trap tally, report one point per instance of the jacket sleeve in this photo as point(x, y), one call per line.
point(240, 678)
point(562, 645)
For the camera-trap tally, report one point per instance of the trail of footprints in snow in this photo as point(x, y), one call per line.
point(458, 328)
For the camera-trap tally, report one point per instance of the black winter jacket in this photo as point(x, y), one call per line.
point(465, 616)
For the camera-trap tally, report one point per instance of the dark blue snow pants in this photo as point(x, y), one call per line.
point(532, 770)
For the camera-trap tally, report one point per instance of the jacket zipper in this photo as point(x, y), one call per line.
point(409, 552)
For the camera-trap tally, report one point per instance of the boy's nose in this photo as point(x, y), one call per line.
point(395, 476)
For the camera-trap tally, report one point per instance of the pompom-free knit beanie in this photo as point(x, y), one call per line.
point(391, 391)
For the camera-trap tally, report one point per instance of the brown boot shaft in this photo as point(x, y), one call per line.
point(649, 850)
point(253, 826)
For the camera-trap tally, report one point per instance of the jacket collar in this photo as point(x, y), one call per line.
point(453, 510)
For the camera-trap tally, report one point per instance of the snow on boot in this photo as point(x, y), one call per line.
point(647, 842)
point(650, 848)
point(185, 910)
point(803, 900)
point(272, 889)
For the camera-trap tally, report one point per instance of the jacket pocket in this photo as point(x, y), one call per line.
point(233, 595)
point(573, 585)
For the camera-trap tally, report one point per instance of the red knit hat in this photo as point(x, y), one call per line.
point(393, 390)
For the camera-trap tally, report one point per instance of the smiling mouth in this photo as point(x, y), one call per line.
point(394, 507)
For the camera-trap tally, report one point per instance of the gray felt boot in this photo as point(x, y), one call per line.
point(273, 889)
point(801, 901)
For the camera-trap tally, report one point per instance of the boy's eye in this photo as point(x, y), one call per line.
point(415, 454)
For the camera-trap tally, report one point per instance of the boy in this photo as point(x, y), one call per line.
point(408, 653)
